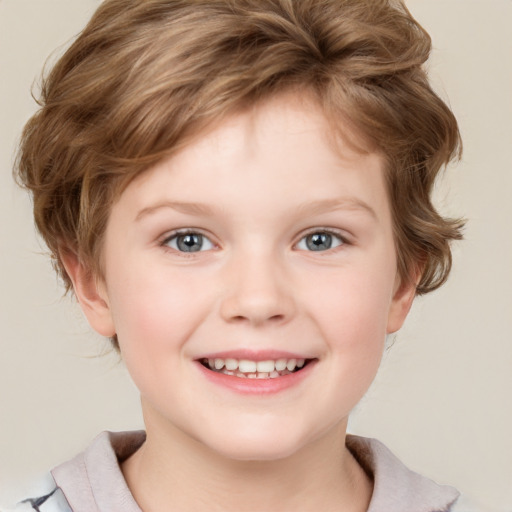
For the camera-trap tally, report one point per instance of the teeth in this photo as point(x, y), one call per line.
point(280, 364)
point(265, 366)
point(245, 368)
point(291, 364)
point(231, 364)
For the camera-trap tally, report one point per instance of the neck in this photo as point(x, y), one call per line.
point(175, 469)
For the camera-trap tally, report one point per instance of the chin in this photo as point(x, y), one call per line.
point(256, 450)
point(257, 443)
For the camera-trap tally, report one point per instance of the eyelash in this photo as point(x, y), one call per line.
point(182, 232)
point(326, 231)
point(189, 231)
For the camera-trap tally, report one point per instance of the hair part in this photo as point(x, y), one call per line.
point(145, 76)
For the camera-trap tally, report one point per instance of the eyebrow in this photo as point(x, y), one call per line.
point(183, 207)
point(338, 203)
point(310, 208)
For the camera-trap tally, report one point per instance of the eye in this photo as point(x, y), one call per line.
point(320, 241)
point(188, 241)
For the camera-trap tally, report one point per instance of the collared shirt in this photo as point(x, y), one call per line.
point(93, 481)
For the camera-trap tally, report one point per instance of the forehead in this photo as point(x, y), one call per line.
point(282, 150)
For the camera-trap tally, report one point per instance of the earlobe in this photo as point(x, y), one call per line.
point(403, 297)
point(90, 293)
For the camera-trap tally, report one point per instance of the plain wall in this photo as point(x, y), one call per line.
point(443, 398)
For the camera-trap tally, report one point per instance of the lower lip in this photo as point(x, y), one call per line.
point(257, 386)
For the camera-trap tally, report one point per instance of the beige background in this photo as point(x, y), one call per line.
point(443, 398)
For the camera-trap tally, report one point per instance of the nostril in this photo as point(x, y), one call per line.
point(256, 306)
point(257, 319)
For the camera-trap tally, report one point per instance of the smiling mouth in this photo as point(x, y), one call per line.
point(247, 369)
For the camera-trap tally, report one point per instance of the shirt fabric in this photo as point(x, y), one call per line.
point(93, 481)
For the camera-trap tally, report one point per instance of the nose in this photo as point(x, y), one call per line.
point(257, 292)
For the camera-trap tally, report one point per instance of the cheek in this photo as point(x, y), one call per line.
point(351, 313)
point(154, 311)
point(153, 320)
point(353, 317)
point(353, 306)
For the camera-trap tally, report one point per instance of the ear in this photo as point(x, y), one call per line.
point(90, 293)
point(403, 296)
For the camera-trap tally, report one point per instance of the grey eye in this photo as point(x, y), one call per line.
point(319, 241)
point(189, 242)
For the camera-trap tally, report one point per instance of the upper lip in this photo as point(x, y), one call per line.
point(254, 355)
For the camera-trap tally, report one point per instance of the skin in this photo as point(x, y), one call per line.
point(264, 178)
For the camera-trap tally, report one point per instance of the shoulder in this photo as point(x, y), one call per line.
point(398, 488)
point(90, 482)
point(93, 480)
point(46, 496)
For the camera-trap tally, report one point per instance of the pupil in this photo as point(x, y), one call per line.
point(190, 243)
point(319, 241)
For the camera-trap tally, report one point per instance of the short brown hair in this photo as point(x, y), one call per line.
point(145, 75)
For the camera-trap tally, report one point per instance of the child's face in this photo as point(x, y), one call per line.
point(296, 261)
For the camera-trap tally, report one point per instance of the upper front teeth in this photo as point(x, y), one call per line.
point(248, 366)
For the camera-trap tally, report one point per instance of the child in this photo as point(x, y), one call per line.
point(238, 192)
